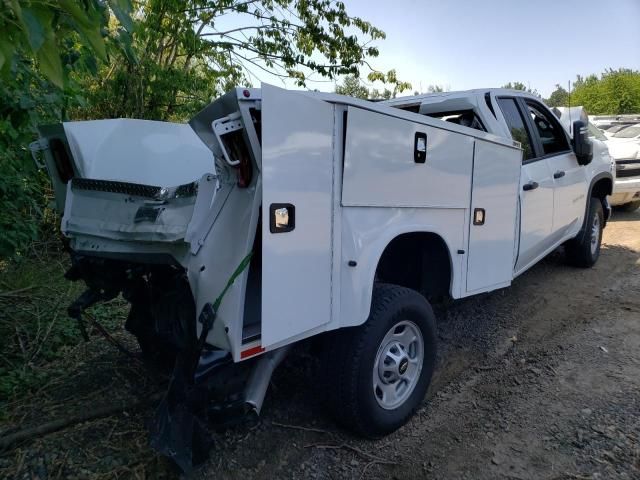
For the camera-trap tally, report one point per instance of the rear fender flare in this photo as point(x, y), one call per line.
point(364, 279)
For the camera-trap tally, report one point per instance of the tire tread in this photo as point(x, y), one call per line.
point(348, 345)
point(578, 249)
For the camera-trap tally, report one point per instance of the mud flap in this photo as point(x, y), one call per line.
point(178, 429)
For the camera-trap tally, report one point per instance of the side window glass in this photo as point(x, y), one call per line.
point(516, 125)
point(550, 132)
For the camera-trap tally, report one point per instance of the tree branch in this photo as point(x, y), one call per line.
point(83, 416)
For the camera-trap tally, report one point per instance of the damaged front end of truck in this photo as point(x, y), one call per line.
point(169, 217)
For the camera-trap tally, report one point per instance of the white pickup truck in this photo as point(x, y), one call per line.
point(280, 215)
point(624, 147)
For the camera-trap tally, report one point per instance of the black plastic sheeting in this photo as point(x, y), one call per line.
point(178, 429)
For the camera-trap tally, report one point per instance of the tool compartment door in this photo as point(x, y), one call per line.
point(381, 168)
point(297, 191)
point(495, 184)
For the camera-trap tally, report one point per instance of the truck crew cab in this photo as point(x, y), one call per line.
point(277, 216)
point(552, 179)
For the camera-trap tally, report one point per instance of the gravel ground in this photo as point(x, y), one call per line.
point(537, 381)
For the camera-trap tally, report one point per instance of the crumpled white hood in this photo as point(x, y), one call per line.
point(138, 151)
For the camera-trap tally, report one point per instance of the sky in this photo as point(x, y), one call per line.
point(463, 44)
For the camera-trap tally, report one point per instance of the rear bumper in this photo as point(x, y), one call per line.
point(625, 190)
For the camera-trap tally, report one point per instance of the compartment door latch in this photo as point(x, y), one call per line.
point(282, 217)
point(420, 147)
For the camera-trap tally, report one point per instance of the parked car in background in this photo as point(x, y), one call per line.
point(627, 134)
point(605, 122)
point(624, 147)
point(613, 129)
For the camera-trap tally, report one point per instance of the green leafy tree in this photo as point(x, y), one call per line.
point(353, 87)
point(613, 92)
point(389, 78)
point(516, 86)
point(185, 52)
point(25, 101)
point(44, 44)
point(520, 86)
point(435, 88)
point(41, 30)
point(558, 98)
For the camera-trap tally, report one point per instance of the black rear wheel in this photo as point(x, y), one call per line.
point(376, 375)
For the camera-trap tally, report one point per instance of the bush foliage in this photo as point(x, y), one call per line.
point(156, 59)
point(614, 92)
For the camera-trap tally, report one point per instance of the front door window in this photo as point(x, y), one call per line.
point(552, 138)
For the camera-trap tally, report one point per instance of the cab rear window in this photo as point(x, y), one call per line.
point(516, 125)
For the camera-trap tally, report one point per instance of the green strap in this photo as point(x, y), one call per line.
point(243, 264)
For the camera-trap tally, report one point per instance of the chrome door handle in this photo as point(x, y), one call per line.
point(559, 174)
point(530, 186)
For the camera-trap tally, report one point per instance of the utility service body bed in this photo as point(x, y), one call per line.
point(354, 176)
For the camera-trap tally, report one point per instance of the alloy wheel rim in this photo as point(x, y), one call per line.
point(398, 365)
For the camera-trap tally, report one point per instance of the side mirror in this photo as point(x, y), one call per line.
point(582, 146)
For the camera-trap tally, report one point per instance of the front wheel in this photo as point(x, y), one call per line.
point(377, 374)
point(584, 250)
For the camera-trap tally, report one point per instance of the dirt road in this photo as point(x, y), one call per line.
point(537, 381)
